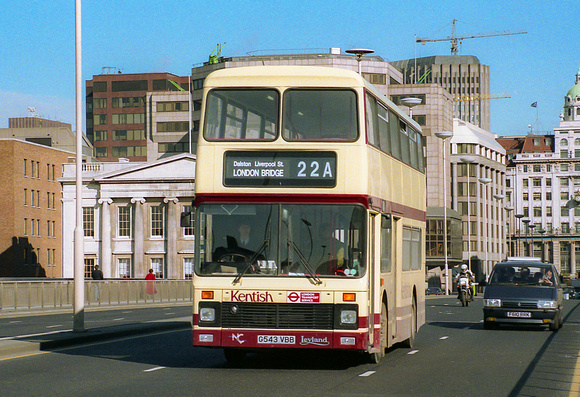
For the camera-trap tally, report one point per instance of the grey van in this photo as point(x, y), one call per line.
point(523, 291)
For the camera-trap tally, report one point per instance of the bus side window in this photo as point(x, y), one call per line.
point(395, 135)
point(386, 238)
point(383, 124)
point(404, 136)
point(371, 120)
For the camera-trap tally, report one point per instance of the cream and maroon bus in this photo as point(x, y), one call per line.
point(309, 214)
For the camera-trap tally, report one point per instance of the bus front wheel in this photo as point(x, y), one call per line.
point(376, 357)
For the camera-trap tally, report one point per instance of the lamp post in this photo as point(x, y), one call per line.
point(531, 226)
point(485, 182)
point(443, 135)
point(467, 161)
point(79, 249)
point(359, 52)
point(542, 232)
point(519, 217)
point(499, 197)
point(411, 103)
point(509, 210)
point(527, 222)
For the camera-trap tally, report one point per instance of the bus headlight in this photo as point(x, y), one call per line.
point(207, 314)
point(547, 304)
point(348, 317)
point(492, 302)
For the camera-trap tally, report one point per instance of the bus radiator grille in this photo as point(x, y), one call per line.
point(277, 315)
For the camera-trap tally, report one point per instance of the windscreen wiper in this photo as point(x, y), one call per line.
point(253, 259)
point(314, 279)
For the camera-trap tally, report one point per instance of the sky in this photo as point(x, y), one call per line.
point(37, 44)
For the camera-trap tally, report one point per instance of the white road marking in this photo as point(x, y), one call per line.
point(444, 337)
point(153, 369)
point(413, 351)
point(119, 319)
point(32, 335)
point(54, 326)
point(368, 373)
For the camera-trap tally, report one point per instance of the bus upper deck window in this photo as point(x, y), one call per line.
point(320, 115)
point(241, 114)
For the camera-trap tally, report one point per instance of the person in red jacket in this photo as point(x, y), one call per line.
point(150, 277)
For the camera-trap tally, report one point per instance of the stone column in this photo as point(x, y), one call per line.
point(173, 265)
point(139, 266)
point(106, 254)
point(556, 253)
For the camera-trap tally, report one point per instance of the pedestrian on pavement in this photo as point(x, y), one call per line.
point(150, 277)
point(97, 275)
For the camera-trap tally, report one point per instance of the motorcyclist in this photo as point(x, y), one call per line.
point(465, 273)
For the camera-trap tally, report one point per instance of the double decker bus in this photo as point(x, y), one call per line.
point(309, 214)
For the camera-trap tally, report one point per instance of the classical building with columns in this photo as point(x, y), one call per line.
point(131, 217)
point(543, 190)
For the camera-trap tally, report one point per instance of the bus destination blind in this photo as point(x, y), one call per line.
point(282, 169)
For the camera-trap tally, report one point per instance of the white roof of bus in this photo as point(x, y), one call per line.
point(279, 75)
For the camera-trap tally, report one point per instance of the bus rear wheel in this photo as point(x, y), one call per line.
point(411, 341)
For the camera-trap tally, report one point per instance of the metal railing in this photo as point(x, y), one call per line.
point(39, 295)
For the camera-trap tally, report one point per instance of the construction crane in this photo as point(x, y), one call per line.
point(455, 40)
point(479, 97)
point(214, 56)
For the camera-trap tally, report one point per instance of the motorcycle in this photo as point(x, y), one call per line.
point(464, 290)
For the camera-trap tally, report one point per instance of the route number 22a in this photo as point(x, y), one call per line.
point(314, 170)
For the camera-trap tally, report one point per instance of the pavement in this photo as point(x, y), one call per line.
point(108, 326)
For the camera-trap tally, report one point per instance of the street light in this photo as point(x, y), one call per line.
point(410, 103)
point(519, 217)
point(532, 226)
point(510, 224)
point(467, 161)
point(485, 182)
point(444, 135)
point(542, 232)
point(527, 222)
point(359, 52)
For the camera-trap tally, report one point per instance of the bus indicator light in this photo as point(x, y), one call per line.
point(206, 294)
point(348, 297)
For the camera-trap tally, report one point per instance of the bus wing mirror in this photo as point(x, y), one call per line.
point(186, 219)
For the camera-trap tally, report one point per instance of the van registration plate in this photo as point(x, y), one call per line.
point(519, 314)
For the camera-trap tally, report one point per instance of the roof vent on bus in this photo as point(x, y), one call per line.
point(334, 50)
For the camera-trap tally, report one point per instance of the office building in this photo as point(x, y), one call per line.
point(463, 76)
point(51, 133)
point(479, 173)
point(120, 122)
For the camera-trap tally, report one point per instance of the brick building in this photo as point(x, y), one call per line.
point(30, 204)
point(118, 122)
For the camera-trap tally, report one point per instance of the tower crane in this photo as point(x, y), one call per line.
point(479, 97)
point(454, 39)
